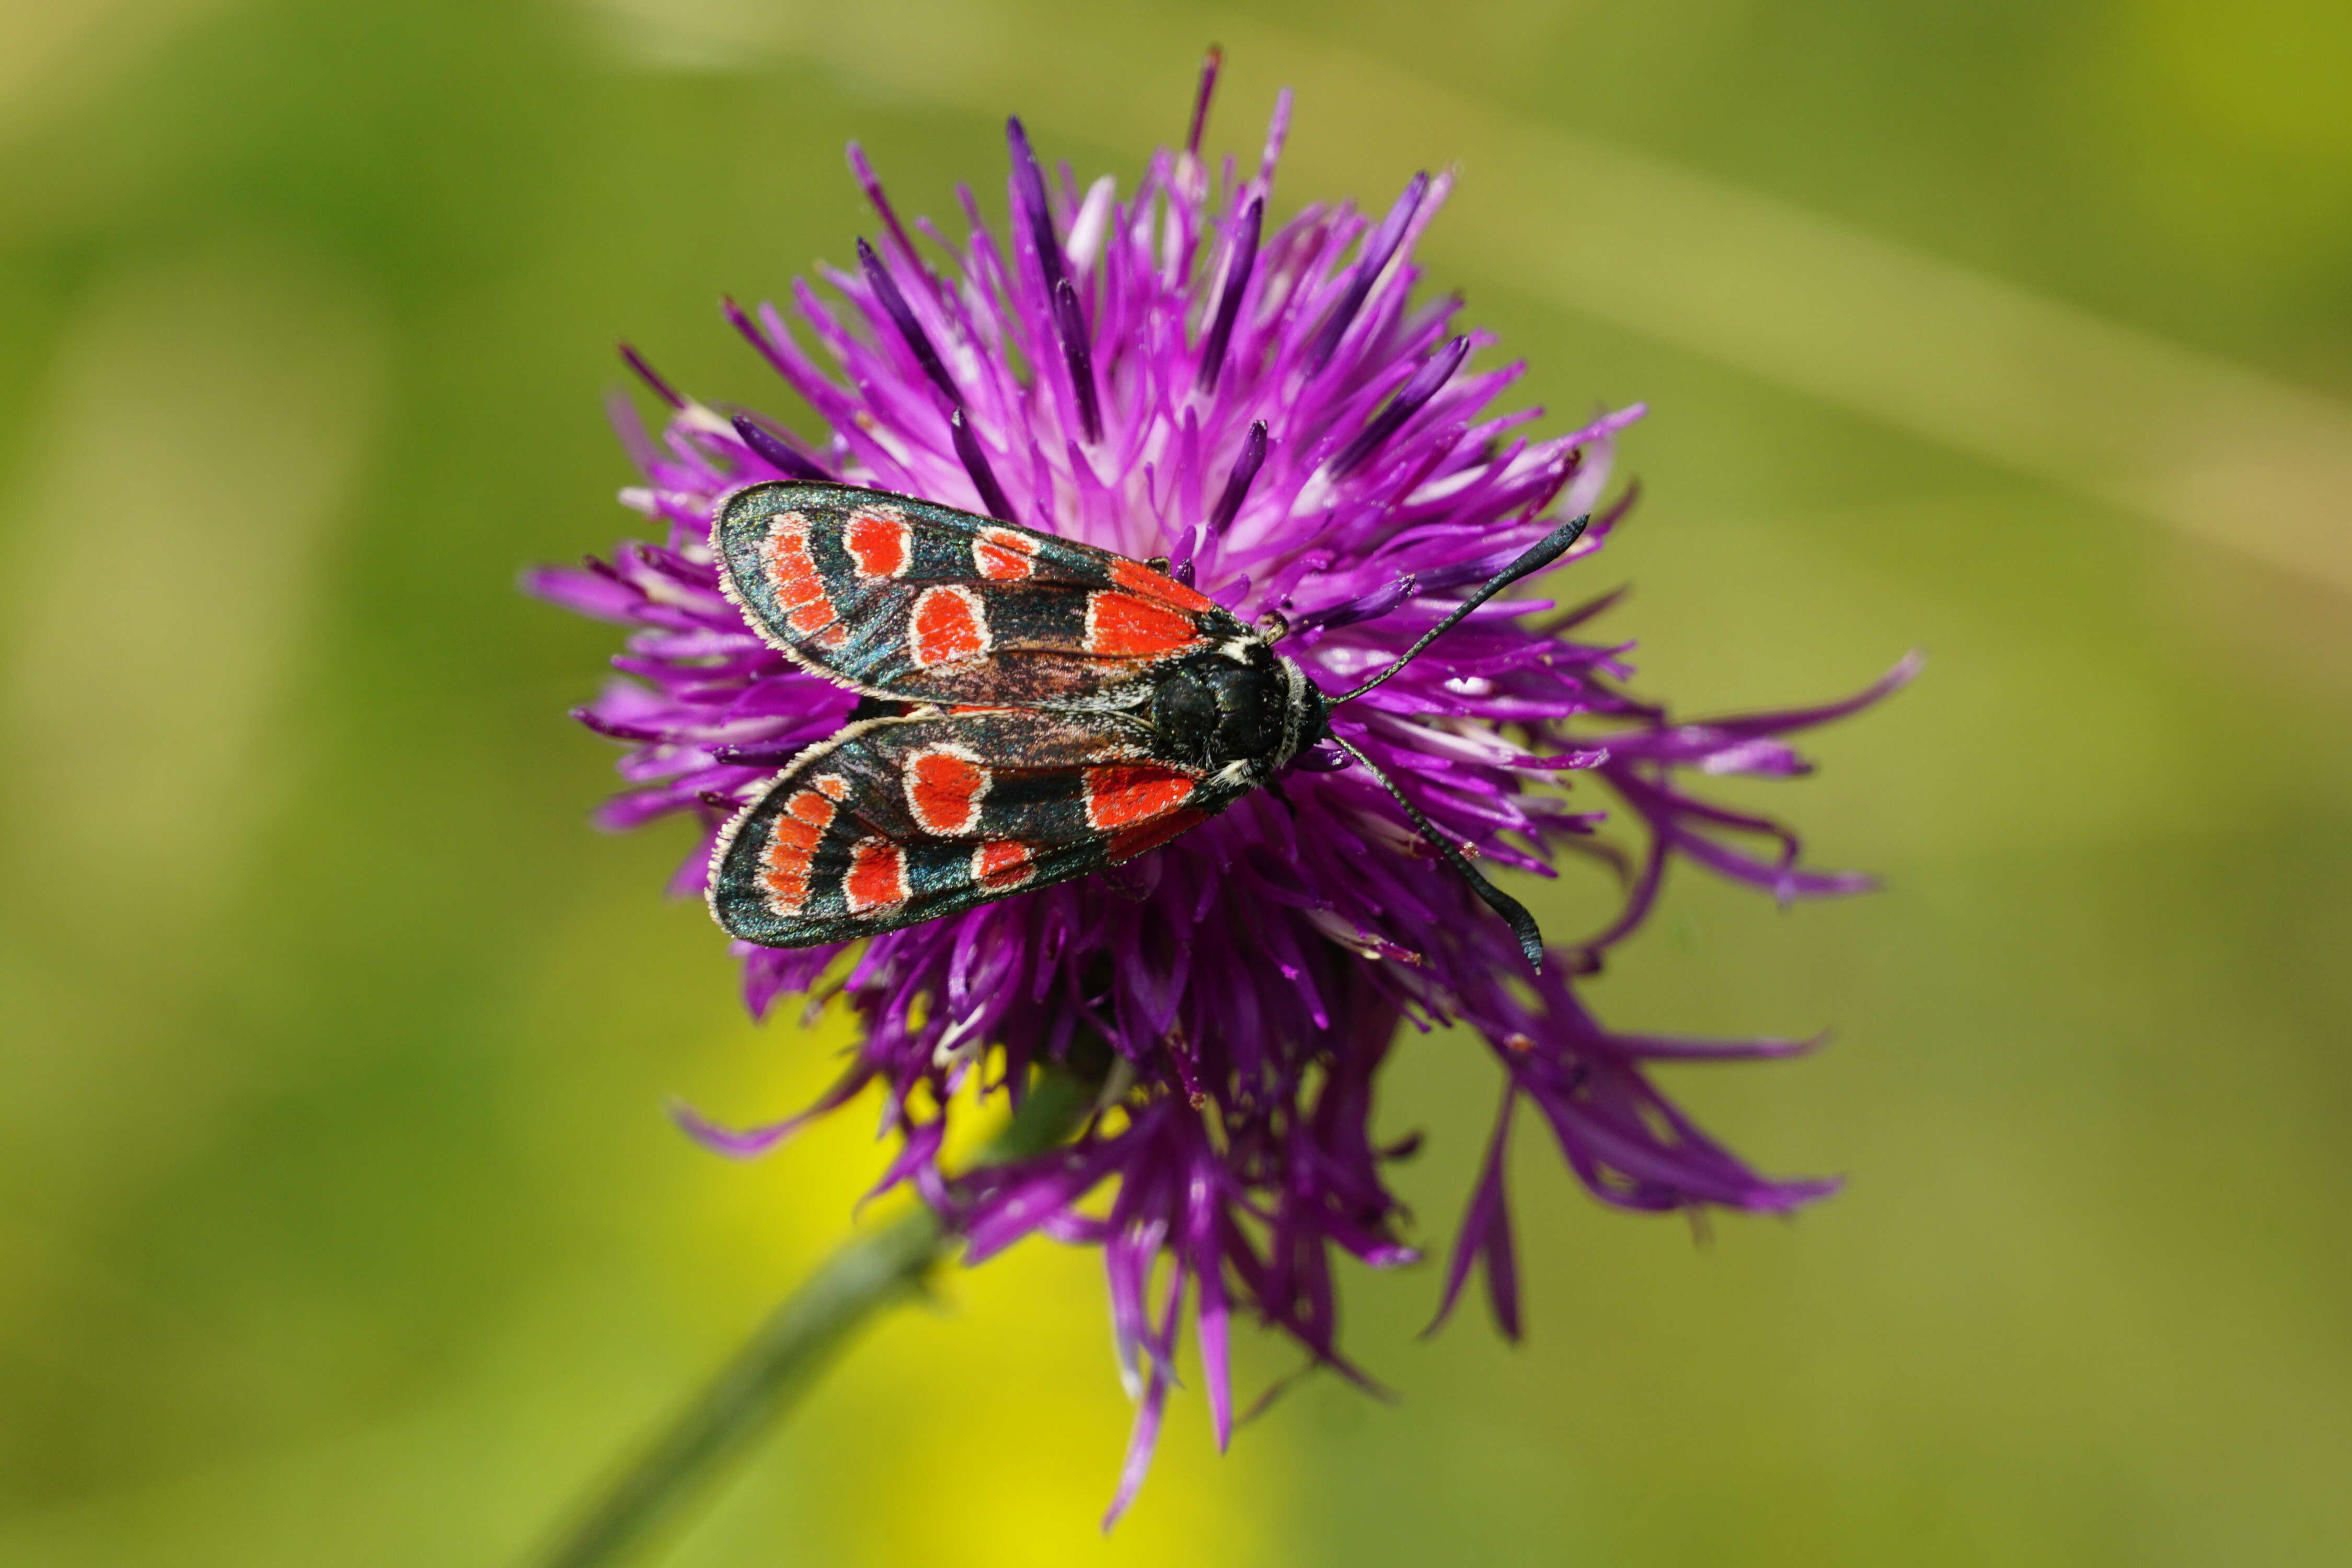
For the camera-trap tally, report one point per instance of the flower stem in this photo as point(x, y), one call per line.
point(782, 1360)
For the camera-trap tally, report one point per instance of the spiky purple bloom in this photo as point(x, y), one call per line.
point(1264, 403)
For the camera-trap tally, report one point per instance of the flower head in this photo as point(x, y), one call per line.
point(1173, 373)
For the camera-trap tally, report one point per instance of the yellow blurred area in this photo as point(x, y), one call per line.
point(340, 1217)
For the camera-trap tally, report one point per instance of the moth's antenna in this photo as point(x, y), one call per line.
point(1523, 924)
point(1550, 548)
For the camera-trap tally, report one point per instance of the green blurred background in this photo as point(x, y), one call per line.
point(340, 1222)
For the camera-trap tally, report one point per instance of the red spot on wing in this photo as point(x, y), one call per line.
point(792, 839)
point(793, 575)
point(948, 626)
point(878, 541)
point(1124, 625)
point(1121, 793)
point(1147, 836)
point(1002, 554)
point(877, 876)
point(1002, 864)
point(832, 786)
point(944, 789)
point(1137, 578)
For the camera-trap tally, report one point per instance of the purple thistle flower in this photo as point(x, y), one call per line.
point(1267, 407)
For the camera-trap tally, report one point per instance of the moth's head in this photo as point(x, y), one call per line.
point(1308, 717)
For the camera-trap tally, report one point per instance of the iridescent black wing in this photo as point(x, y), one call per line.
point(896, 597)
point(898, 820)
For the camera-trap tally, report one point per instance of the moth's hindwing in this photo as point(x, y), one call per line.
point(896, 597)
point(895, 821)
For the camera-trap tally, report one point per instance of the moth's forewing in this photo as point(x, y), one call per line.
point(897, 597)
point(897, 821)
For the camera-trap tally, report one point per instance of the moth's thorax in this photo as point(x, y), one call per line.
point(1234, 703)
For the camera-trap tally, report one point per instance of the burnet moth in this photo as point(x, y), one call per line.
point(1035, 709)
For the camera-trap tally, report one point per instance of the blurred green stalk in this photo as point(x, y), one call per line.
point(782, 1361)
